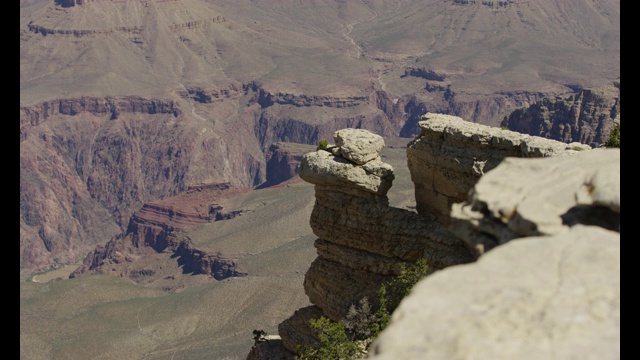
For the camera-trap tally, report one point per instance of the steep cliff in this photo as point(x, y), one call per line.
point(362, 240)
point(156, 229)
point(587, 116)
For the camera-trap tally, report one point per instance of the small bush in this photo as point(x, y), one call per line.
point(322, 145)
point(259, 335)
point(350, 339)
point(334, 344)
point(359, 320)
point(614, 137)
point(392, 292)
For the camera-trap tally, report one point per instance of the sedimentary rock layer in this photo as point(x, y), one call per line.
point(451, 154)
point(587, 116)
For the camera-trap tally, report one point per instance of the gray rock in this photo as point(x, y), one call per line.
point(546, 196)
point(451, 154)
point(323, 168)
point(358, 145)
point(550, 297)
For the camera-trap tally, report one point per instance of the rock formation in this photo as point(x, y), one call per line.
point(362, 240)
point(553, 291)
point(587, 116)
point(540, 197)
point(451, 154)
point(156, 229)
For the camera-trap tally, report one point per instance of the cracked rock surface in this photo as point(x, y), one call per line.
point(549, 297)
point(546, 196)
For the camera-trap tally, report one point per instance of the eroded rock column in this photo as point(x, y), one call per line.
point(361, 239)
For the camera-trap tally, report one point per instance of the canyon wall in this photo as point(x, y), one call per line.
point(89, 163)
point(587, 116)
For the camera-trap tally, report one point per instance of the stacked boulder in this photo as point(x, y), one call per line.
point(361, 239)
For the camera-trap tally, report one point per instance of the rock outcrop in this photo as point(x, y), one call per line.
point(552, 287)
point(451, 154)
point(587, 116)
point(156, 228)
point(362, 240)
point(540, 197)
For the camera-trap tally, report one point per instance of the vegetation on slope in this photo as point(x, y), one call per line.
point(614, 137)
point(351, 337)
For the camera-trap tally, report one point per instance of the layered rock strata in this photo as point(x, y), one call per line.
point(587, 116)
point(553, 291)
point(451, 154)
point(362, 240)
point(156, 228)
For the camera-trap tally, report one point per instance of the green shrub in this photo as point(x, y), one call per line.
point(350, 338)
point(334, 344)
point(259, 335)
point(614, 137)
point(322, 145)
point(393, 291)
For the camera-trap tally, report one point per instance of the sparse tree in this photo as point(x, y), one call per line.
point(614, 137)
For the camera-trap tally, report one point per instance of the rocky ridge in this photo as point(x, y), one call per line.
point(587, 116)
point(451, 154)
point(94, 153)
point(156, 229)
point(362, 240)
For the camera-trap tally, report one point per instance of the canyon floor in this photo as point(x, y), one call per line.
point(108, 317)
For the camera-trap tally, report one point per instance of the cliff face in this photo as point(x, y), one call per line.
point(362, 240)
point(547, 281)
point(155, 229)
point(585, 117)
point(451, 154)
point(89, 163)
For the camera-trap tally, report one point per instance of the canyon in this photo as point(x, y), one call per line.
point(160, 144)
point(197, 93)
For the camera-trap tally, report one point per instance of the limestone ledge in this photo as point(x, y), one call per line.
point(535, 197)
point(451, 154)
